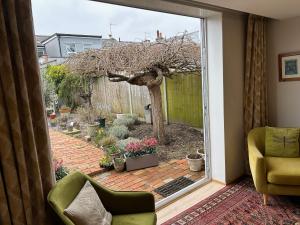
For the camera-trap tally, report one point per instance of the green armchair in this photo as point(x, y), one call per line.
point(272, 175)
point(127, 208)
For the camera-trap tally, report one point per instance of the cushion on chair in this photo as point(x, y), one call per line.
point(87, 208)
point(135, 219)
point(284, 171)
point(282, 142)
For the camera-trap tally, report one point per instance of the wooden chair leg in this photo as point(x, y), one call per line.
point(265, 197)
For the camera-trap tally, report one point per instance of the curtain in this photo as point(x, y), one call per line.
point(255, 89)
point(26, 174)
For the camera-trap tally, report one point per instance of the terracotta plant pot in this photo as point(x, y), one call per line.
point(144, 161)
point(194, 162)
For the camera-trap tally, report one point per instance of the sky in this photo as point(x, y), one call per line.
point(94, 18)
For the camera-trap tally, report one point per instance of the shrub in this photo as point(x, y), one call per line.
point(107, 141)
point(132, 116)
point(106, 162)
point(113, 149)
point(60, 170)
point(120, 132)
point(126, 121)
point(99, 136)
point(88, 114)
point(123, 143)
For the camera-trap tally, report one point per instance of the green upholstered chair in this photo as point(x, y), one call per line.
point(272, 175)
point(127, 208)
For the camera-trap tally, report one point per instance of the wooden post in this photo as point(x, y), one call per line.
point(130, 98)
point(265, 197)
point(165, 100)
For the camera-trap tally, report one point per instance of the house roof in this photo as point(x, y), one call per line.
point(39, 39)
point(70, 35)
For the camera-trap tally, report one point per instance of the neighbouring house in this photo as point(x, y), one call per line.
point(54, 49)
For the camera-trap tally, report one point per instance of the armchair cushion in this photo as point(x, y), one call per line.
point(135, 219)
point(282, 142)
point(284, 171)
point(87, 208)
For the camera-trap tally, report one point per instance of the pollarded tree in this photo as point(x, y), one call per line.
point(143, 64)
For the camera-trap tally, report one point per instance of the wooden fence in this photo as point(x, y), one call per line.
point(181, 95)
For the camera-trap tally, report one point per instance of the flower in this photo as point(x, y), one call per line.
point(150, 142)
point(134, 147)
point(57, 164)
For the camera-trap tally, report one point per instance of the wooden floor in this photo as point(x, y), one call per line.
point(187, 201)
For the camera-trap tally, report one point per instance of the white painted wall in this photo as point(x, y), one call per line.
point(226, 49)
point(216, 101)
point(234, 39)
point(284, 105)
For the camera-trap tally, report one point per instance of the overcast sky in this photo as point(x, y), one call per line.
point(88, 17)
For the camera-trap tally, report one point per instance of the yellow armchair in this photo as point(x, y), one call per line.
point(271, 175)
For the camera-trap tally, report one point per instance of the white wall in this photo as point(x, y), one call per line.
point(234, 39)
point(284, 105)
point(226, 54)
point(216, 101)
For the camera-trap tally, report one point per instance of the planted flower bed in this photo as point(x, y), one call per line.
point(141, 154)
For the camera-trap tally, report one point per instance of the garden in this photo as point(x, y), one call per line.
point(126, 141)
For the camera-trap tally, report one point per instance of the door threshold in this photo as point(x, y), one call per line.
point(168, 200)
point(184, 202)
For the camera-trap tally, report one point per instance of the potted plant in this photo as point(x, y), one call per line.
point(53, 122)
point(141, 154)
point(106, 163)
point(114, 151)
point(60, 170)
point(200, 152)
point(119, 164)
point(64, 110)
point(92, 126)
point(194, 162)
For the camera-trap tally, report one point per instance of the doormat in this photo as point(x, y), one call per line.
point(173, 186)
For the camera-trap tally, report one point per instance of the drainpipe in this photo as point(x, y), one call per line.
point(58, 38)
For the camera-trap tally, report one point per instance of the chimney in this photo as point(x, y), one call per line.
point(157, 34)
point(119, 39)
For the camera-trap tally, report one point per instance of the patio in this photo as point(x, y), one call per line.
point(78, 155)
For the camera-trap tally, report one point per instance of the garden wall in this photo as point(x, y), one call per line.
point(182, 100)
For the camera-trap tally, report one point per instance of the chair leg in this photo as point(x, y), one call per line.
point(265, 197)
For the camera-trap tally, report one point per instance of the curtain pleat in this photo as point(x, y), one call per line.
point(255, 89)
point(25, 159)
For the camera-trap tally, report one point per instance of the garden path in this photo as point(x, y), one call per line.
point(79, 155)
point(76, 154)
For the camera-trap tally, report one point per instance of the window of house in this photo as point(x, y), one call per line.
point(71, 48)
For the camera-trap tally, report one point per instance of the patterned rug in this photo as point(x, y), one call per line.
point(239, 203)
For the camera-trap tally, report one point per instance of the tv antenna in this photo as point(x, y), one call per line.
point(110, 30)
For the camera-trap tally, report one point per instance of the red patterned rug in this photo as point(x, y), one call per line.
point(239, 203)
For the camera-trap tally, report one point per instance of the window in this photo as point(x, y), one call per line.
point(70, 48)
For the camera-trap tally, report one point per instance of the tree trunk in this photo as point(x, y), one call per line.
point(157, 114)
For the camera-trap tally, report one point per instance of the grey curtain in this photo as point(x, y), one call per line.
point(26, 173)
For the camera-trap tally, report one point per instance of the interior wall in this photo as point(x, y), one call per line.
point(226, 36)
point(216, 100)
point(283, 97)
point(234, 39)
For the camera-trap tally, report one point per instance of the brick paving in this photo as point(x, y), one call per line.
point(148, 179)
point(75, 153)
point(82, 156)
